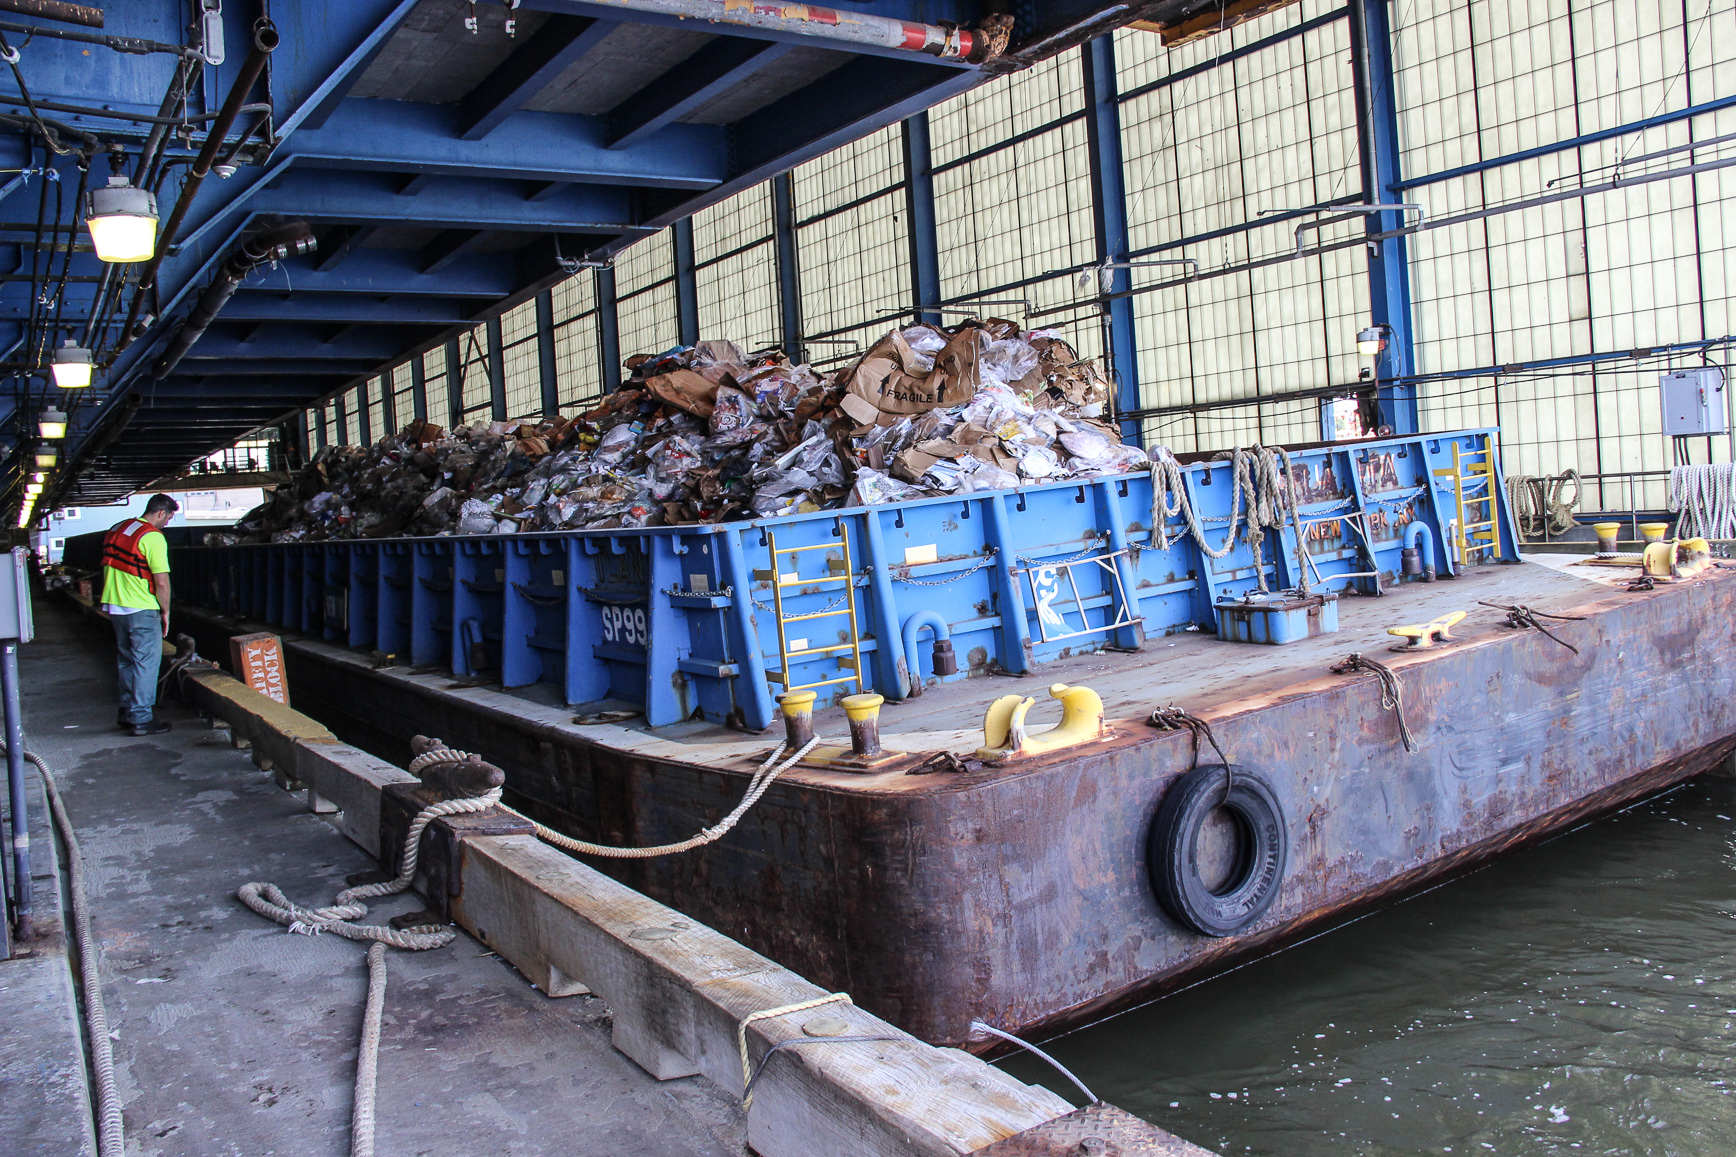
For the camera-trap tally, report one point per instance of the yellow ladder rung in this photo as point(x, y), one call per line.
point(823, 683)
point(800, 549)
point(817, 615)
point(819, 650)
point(808, 582)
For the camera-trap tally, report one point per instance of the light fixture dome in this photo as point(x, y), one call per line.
point(72, 365)
point(122, 222)
point(51, 424)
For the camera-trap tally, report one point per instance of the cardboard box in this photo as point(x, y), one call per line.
point(257, 660)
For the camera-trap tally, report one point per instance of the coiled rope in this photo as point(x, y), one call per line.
point(110, 1130)
point(1259, 472)
point(340, 917)
point(1391, 691)
point(1538, 504)
point(1521, 616)
point(763, 778)
point(1705, 497)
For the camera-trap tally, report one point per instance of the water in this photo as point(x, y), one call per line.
point(1577, 998)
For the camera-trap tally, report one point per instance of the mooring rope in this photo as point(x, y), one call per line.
point(340, 917)
point(110, 1129)
point(762, 779)
point(1705, 496)
point(1391, 691)
point(1521, 616)
point(764, 1014)
point(1173, 718)
point(1538, 504)
point(1255, 472)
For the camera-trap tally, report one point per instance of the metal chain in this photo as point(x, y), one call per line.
point(979, 564)
point(1097, 542)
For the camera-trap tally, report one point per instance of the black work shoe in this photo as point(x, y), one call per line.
point(154, 727)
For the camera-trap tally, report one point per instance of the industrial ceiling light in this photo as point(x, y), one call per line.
point(33, 489)
point(1371, 341)
point(51, 424)
point(39, 476)
point(46, 458)
point(72, 365)
point(122, 222)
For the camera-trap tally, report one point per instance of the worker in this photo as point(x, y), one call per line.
point(135, 596)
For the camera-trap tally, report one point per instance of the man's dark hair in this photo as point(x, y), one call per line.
point(161, 502)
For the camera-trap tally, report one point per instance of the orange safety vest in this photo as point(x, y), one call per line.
point(120, 548)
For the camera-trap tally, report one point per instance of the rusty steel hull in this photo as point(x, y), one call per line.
point(1020, 896)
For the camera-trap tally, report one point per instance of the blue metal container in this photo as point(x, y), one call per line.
point(1281, 617)
point(684, 621)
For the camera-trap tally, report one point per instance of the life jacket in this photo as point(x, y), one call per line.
point(120, 547)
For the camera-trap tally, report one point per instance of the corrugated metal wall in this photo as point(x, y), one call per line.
point(1214, 134)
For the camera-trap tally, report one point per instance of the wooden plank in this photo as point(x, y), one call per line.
point(679, 989)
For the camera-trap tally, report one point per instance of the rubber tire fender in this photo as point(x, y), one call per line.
point(1172, 855)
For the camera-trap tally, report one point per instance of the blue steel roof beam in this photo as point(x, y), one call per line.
point(328, 47)
point(722, 64)
point(543, 190)
point(449, 246)
point(860, 98)
point(408, 137)
point(555, 47)
point(336, 245)
point(918, 11)
point(298, 363)
point(277, 306)
point(414, 184)
point(352, 198)
point(302, 340)
point(395, 272)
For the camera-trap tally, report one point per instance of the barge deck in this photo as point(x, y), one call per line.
point(1020, 893)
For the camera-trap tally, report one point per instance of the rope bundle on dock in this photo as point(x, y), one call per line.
point(1705, 497)
point(1538, 505)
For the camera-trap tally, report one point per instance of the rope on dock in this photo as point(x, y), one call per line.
point(340, 917)
point(1521, 616)
point(763, 778)
point(765, 1014)
point(110, 1130)
point(1254, 471)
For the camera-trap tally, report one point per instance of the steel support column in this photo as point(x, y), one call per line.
point(496, 371)
point(454, 385)
point(608, 331)
point(418, 390)
point(686, 284)
point(1388, 260)
point(1109, 217)
point(547, 375)
point(365, 437)
point(919, 205)
point(319, 431)
point(789, 271)
point(342, 420)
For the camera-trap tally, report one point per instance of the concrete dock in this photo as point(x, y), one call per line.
point(231, 1037)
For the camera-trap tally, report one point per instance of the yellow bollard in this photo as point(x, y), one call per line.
point(863, 712)
point(1606, 535)
point(798, 712)
point(1654, 531)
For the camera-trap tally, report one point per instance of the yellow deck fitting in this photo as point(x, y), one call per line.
point(864, 752)
point(1004, 735)
point(1422, 636)
point(1683, 558)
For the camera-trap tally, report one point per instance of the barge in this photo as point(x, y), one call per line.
point(1022, 845)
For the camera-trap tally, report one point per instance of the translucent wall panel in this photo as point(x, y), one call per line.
point(852, 244)
point(645, 296)
point(1205, 154)
point(434, 382)
point(1006, 216)
point(518, 355)
point(403, 396)
point(473, 373)
point(1636, 267)
point(578, 374)
point(737, 270)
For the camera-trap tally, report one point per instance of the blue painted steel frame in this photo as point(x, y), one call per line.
point(1388, 260)
point(679, 622)
point(1109, 216)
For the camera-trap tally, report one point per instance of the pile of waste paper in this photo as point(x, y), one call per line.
point(705, 433)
